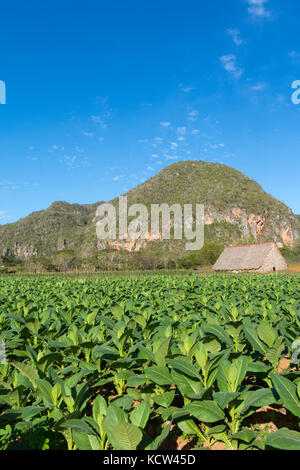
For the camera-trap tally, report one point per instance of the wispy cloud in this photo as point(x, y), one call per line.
point(181, 130)
point(9, 185)
point(4, 215)
point(118, 177)
point(185, 89)
point(88, 134)
point(235, 34)
point(99, 120)
point(165, 124)
point(259, 86)
point(192, 115)
point(53, 148)
point(257, 9)
point(230, 65)
point(73, 161)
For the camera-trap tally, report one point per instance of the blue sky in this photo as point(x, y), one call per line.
point(103, 95)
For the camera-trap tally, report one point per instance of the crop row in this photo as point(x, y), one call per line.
point(136, 363)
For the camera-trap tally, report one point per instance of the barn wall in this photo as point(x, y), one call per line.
point(273, 259)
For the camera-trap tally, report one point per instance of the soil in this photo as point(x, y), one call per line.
point(272, 418)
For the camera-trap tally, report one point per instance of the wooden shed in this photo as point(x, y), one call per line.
point(261, 258)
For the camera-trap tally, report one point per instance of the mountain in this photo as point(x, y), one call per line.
point(57, 228)
point(237, 209)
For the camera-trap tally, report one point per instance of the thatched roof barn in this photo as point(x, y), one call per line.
point(262, 258)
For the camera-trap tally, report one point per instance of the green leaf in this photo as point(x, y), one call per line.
point(252, 337)
point(85, 441)
point(185, 367)
point(273, 355)
point(217, 429)
point(78, 425)
point(46, 389)
point(284, 439)
point(245, 435)
point(185, 384)
point(206, 411)
point(219, 332)
point(99, 410)
point(162, 352)
point(259, 398)
point(159, 375)
point(28, 371)
point(266, 333)
point(136, 380)
point(140, 415)
point(189, 427)
point(160, 439)
point(114, 416)
point(127, 436)
point(223, 398)
point(237, 372)
point(287, 392)
point(117, 311)
point(165, 399)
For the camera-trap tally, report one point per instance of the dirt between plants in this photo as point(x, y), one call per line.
point(271, 419)
point(294, 269)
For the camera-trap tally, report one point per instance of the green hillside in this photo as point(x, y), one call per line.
point(237, 210)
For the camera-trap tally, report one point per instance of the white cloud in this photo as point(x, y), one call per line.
point(185, 89)
point(259, 86)
point(257, 9)
point(165, 124)
point(3, 215)
point(230, 65)
point(192, 115)
point(100, 139)
point(142, 141)
point(195, 131)
point(88, 134)
point(235, 34)
point(181, 130)
point(118, 177)
point(99, 120)
point(53, 149)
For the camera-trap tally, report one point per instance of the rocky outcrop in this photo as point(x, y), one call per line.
point(287, 234)
point(126, 243)
point(257, 225)
point(20, 251)
point(61, 244)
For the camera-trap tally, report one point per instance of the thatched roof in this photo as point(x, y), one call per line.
point(243, 258)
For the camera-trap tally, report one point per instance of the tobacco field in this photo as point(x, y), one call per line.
point(192, 362)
